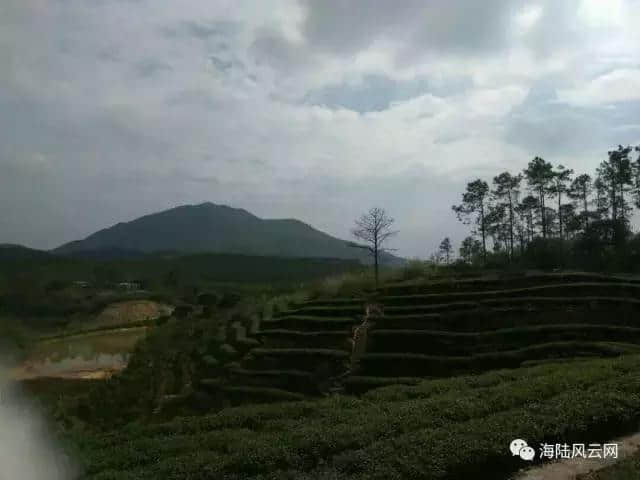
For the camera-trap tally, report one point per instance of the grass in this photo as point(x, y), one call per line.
point(357, 385)
point(391, 433)
point(254, 394)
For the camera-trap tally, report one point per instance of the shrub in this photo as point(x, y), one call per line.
point(415, 269)
point(303, 322)
point(466, 343)
point(417, 365)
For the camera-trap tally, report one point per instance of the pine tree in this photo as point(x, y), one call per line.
point(560, 185)
point(539, 174)
point(474, 208)
point(506, 191)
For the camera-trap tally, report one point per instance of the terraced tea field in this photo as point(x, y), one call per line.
point(437, 329)
point(445, 429)
point(430, 380)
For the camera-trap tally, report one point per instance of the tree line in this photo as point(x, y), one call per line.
point(546, 204)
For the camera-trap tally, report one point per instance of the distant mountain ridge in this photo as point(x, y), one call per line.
point(208, 227)
point(10, 251)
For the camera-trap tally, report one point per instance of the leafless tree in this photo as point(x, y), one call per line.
point(374, 228)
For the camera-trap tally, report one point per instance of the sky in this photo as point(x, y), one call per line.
point(308, 109)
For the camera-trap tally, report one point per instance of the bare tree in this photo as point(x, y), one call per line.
point(374, 228)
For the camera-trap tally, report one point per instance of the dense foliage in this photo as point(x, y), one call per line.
point(558, 219)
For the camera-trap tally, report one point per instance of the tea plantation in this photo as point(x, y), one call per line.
point(438, 429)
point(411, 380)
point(432, 330)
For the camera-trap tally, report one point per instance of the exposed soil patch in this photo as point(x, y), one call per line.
point(133, 311)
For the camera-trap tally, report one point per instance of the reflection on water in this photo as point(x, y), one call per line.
point(92, 355)
point(70, 366)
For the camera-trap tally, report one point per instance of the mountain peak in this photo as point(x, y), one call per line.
point(209, 227)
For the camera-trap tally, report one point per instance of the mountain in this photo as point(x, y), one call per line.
point(217, 229)
point(12, 252)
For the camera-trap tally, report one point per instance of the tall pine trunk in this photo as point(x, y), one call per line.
point(560, 212)
point(511, 224)
point(484, 233)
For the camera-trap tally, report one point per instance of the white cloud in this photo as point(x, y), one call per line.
point(617, 86)
point(131, 107)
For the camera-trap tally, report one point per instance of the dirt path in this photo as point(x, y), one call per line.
point(569, 469)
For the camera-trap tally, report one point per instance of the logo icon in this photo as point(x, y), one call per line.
point(520, 448)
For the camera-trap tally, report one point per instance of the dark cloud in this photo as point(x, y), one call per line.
point(314, 109)
point(450, 137)
point(203, 30)
point(270, 47)
point(543, 124)
point(421, 26)
point(150, 67)
point(220, 64)
point(110, 54)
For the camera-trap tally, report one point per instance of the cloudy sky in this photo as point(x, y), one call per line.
point(311, 109)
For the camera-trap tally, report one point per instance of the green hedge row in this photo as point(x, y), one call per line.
point(526, 303)
point(416, 365)
point(466, 343)
point(431, 308)
point(325, 361)
point(330, 303)
point(291, 380)
point(560, 290)
point(240, 395)
point(335, 339)
point(621, 314)
point(454, 432)
point(483, 284)
point(340, 311)
point(301, 322)
point(357, 385)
